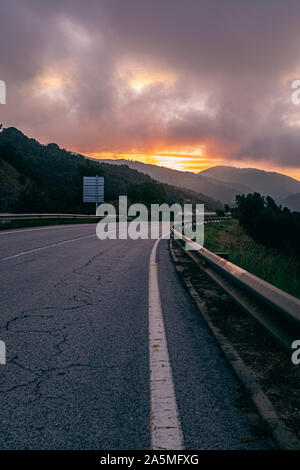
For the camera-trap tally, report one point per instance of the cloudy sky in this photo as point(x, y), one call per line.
point(183, 83)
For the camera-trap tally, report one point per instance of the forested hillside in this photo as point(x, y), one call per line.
point(272, 225)
point(45, 178)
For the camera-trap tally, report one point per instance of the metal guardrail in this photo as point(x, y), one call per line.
point(10, 217)
point(210, 216)
point(274, 309)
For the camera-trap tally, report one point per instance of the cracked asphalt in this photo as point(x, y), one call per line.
point(74, 318)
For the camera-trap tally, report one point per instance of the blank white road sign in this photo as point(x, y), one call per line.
point(93, 189)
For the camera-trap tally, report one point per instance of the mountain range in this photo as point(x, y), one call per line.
point(225, 182)
point(292, 202)
point(36, 177)
point(46, 178)
point(247, 180)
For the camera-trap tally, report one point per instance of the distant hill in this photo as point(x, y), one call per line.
point(216, 190)
point(277, 185)
point(292, 202)
point(222, 183)
point(46, 178)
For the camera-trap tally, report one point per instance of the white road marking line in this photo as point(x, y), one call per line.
point(47, 246)
point(7, 232)
point(165, 427)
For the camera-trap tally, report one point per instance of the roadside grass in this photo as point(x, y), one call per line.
point(274, 267)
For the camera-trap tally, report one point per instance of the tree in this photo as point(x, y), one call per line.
point(269, 223)
point(32, 199)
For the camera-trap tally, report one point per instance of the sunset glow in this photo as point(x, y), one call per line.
point(189, 162)
point(159, 85)
point(143, 80)
point(180, 162)
point(140, 77)
point(50, 86)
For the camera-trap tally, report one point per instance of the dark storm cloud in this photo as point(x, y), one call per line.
point(222, 74)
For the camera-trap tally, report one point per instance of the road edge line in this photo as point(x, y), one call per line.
point(165, 426)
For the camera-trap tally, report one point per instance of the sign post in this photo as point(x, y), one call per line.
point(93, 189)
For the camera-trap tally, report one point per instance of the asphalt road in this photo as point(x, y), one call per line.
point(74, 314)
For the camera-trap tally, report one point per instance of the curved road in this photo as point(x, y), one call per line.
point(74, 315)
